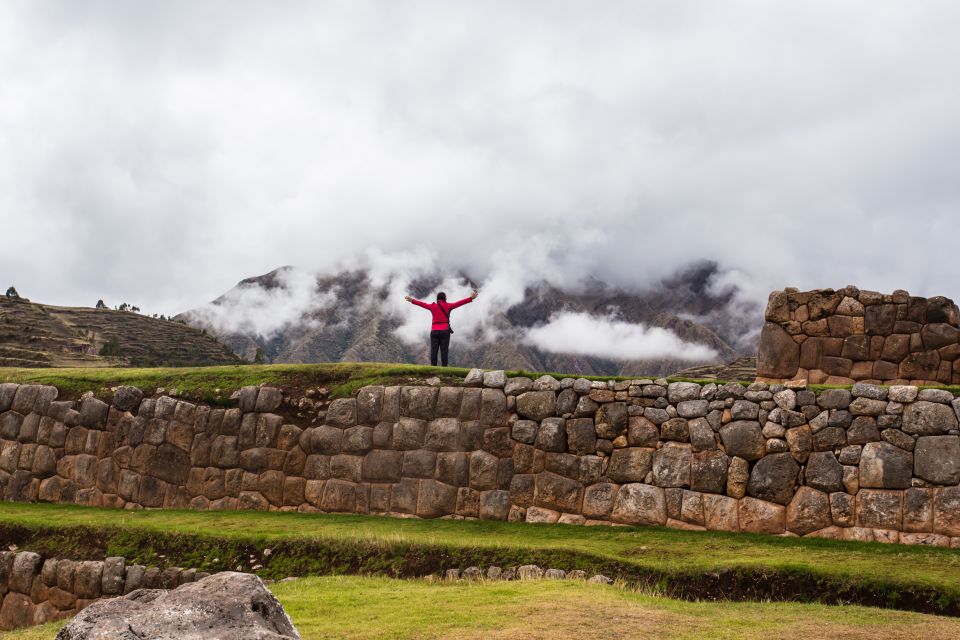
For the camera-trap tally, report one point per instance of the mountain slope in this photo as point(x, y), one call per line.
point(356, 317)
point(37, 335)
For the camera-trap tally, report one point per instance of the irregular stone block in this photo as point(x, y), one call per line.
point(880, 509)
point(774, 478)
point(759, 516)
point(884, 466)
point(708, 471)
point(671, 465)
point(824, 472)
point(937, 459)
point(808, 511)
point(537, 405)
point(598, 499)
point(721, 513)
point(946, 511)
point(640, 504)
point(552, 435)
point(743, 439)
point(631, 464)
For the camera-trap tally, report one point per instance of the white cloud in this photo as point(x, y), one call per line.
point(158, 152)
point(252, 309)
point(605, 336)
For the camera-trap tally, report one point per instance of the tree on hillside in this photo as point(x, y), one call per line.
point(12, 293)
point(123, 307)
point(111, 348)
point(259, 357)
point(101, 304)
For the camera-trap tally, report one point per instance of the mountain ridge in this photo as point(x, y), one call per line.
point(356, 320)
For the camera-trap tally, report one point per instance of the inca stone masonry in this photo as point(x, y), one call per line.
point(874, 463)
point(839, 337)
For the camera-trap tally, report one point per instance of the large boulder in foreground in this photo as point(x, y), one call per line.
point(224, 605)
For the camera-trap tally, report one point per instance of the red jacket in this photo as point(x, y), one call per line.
point(439, 319)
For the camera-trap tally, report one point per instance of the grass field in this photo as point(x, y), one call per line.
point(369, 607)
point(311, 544)
point(214, 384)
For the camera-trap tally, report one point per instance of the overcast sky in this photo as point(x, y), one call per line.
point(158, 152)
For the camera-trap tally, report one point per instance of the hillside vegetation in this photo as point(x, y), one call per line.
point(37, 335)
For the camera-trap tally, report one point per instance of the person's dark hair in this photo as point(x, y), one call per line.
point(442, 296)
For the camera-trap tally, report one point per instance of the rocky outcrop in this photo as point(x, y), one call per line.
point(847, 335)
point(225, 605)
point(645, 452)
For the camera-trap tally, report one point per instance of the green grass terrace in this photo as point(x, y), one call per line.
point(681, 564)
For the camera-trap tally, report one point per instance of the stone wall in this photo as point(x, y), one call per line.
point(35, 590)
point(874, 463)
point(838, 337)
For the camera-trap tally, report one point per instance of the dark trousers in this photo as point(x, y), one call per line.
point(439, 340)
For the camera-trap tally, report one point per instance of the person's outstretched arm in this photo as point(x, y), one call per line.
point(416, 302)
point(460, 303)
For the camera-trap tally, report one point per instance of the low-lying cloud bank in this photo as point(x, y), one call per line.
point(293, 297)
point(607, 337)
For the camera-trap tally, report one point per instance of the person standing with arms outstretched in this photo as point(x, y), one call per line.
point(440, 329)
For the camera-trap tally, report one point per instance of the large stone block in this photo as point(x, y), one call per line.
point(671, 465)
point(408, 433)
point(808, 511)
point(493, 408)
point(598, 499)
point(483, 470)
point(779, 355)
point(26, 566)
point(382, 465)
point(339, 496)
point(760, 516)
point(946, 511)
point(640, 504)
point(880, 509)
point(743, 439)
point(708, 471)
point(937, 459)
point(93, 412)
point(631, 464)
point(581, 436)
point(453, 468)
point(557, 492)
point(824, 472)
point(918, 510)
point(884, 466)
point(494, 505)
point(418, 402)
point(612, 420)
point(721, 513)
point(18, 610)
point(552, 435)
point(774, 478)
point(88, 579)
point(537, 405)
point(928, 418)
point(369, 405)
point(436, 499)
point(442, 434)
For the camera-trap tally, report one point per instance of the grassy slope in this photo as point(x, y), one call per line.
point(217, 382)
point(366, 608)
point(657, 549)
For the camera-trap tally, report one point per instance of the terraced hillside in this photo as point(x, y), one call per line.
point(37, 335)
